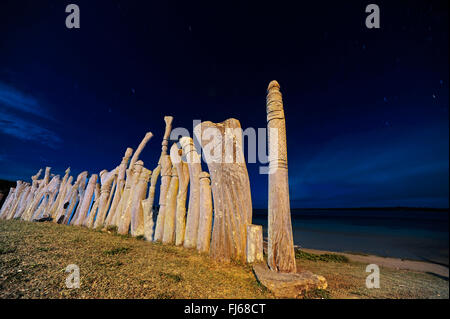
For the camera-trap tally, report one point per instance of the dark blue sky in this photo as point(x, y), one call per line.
point(366, 110)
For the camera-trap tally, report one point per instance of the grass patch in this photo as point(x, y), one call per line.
point(173, 277)
point(300, 254)
point(140, 237)
point(116, 251)
point(356, 253)
point(317, 294)
point(112, 229)
point(7, 250)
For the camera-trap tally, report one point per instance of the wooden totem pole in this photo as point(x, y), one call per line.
point(193, 215)
point(183, 183)
point(222, 146)
point(281, 256)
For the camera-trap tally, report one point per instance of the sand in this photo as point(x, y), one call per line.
point(394, 263)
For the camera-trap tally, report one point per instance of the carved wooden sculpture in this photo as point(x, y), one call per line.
point(281, 256)
point(254, 249)
point(120, 184)
point(125, 201)
point(87, 199)
point(46, 176)
point(81, 190)
point(159, 228)
point(22, 201)
point(137, 214)
point(166, 175)
point(170, 209)
point(30, 205)
point(206, 211)
point(140, 148)
point(183, 183)
point(106, 180)
point(11, 210)
point(49, 194)
point(230, 186)
point(193, 215)
point(111, 196)
point(74, 198)
point(60, 196)
point(123, 223)
point(32, 194)
point(39, 193)
point(147, 205)
point(7, 202)
point(92, 213)
point(60, 210)
point(52, 195)
point(147, 211)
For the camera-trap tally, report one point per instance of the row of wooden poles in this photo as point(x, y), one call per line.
point(123, 198)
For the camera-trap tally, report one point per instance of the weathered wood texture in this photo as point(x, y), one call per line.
point(92, 213)
point(254, 249)
point(193, 215)
point(120, 185)
point(147, 212)
point(124, 219)
point(222, 146)
point(106, 179)
point(137, 214)
point(86, 202)
point(206, 211)
point(166, 175)
point(183, 183)
point(170, 209)
point(74, 198)
point(61, 194)
point(81, 189)
point(281, 256)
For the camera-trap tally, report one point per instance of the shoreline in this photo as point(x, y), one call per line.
point(389, 262)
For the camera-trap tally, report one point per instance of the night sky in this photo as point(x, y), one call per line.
point(366, 109)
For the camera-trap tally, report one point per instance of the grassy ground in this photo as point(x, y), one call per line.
point(347, 279)
point(34, 256)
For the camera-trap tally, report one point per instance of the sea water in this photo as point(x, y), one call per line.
point(408, 234)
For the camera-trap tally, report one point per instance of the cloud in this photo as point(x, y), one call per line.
point(18, 101)
point(23, 117)
point(28, 131)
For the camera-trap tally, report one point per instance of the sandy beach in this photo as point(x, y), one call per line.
point(393, 263)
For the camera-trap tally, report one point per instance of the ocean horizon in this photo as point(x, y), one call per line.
point(400, 232)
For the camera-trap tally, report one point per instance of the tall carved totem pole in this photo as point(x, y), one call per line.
point(281, 256)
